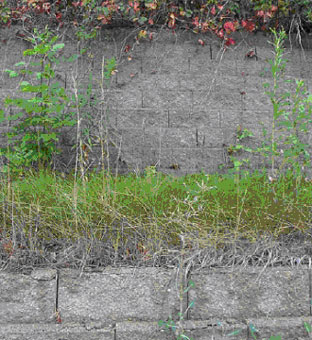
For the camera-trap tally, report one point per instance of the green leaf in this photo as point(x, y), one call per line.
point(71, 122)
point(15, 117)
point(53, 40)
point(12, 74)
point(26, 87)
point(48, 136)
point(57, 47)
point(191, 283)
point(237, 163)
point(276, 337)
point(253, 329)
point(142, 20)
point(2, 117)
point(191, 304)
point(189, 13)
point(121, 7)
point(234, 333)
point(29, 52)
point(42, 49)
point(35, 100)
point(24, 83)
point(307, 327)
point(20, 63)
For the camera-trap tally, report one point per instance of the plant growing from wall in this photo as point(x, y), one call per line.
point(43, 113)
point(81, 102)
point(302, 110)
point(90, 99)
point(178, 330)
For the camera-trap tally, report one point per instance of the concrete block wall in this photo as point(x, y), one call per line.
point(123, 303)
point(176, 103)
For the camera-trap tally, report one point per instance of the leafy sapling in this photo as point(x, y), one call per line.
point(42, 114)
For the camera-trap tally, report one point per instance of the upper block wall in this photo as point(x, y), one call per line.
point(174, 103)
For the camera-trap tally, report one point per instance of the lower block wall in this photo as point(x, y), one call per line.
point(126, 302)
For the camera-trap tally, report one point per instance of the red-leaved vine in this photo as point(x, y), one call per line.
point(220, 17)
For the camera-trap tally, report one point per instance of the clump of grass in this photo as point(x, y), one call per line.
point(199, 202)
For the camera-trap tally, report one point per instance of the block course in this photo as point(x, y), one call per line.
point(175, 101)
point(115, 303)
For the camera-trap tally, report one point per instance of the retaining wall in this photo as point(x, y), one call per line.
point(127, 303)
point(173, 102)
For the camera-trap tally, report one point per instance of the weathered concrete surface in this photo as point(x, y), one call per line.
point(127, 303)
point(114, 294)
point(277, 292)
point(24, 299)
point(118, 294)
point(73, 331)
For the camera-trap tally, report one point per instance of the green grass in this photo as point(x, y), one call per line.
point(158, 207)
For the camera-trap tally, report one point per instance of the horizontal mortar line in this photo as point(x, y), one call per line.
point(75, 327)
point(98, 325)
point(155, 109)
